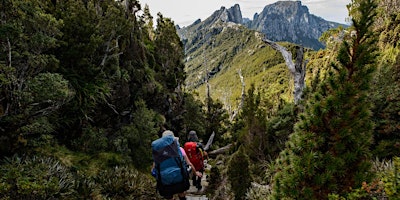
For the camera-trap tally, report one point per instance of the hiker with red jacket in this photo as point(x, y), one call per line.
point(195, 152)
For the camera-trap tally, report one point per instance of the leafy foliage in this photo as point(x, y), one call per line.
point(386, 87)
point(238, 173)
point(216, 120)
point(386, 98)
point(262, 126)
point(392, 179)
point(28, 32)
point(194, 116)
point(135, 139)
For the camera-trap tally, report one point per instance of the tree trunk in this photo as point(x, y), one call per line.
point(298, 69)
point(221, 150)
point(242, 95)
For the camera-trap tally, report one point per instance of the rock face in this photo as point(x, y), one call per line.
point(197, 33)
point(290, 21)
point(282, 21)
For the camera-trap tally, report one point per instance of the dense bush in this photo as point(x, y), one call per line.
point(92, 140)
point(239, 173)
point(47, 178)
point(215, 180)
point(391, 179)
point(135, 139)
point(258, 192)
point(126, 183)
point(35, 178)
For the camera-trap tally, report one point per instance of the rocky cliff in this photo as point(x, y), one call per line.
point(200, 32)
point(291, 21)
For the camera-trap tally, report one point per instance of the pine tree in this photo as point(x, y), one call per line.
point(329, 150)
point(239, 173)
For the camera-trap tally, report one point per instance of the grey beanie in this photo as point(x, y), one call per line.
point(167, 132)
point(192, 136)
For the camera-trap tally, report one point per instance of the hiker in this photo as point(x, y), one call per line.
point(195, 152)
point(169, 167)
point(195, 173)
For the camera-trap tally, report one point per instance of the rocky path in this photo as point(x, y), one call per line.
point(193, 193)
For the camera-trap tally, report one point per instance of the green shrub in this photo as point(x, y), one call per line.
point(215, 180)
point(35, 178)
point(93, 140)
point(126, 183)
point(239, 173)
point(391, 180)
point(135, 139)
point(86, 187)
point(258, 192)
point(372, 191)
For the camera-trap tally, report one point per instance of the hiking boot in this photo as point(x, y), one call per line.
point(199, 187)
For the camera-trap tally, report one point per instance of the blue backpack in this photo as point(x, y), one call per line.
point(171, 174)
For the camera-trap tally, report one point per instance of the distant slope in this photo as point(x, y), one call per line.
point(232, 48)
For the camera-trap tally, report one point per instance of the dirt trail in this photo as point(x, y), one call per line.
point(193, 193)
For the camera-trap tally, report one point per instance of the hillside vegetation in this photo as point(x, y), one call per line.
point(236, 49)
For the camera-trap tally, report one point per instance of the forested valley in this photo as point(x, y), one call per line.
point(87, 85)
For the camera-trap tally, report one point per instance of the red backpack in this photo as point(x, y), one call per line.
point(195, 155)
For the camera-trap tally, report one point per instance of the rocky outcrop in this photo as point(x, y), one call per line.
point(200, 32)
point(291, 21)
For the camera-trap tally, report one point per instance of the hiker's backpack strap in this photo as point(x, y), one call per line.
point(158, 173)
point(185, 175)
point(201, 153)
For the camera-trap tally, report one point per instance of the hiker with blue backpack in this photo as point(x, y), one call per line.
point(170, 166)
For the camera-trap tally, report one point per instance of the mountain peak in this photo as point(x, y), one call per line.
point(232, 14)
point(291, 21)
point(287, 7)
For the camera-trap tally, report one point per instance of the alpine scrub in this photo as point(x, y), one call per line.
point(328, 153)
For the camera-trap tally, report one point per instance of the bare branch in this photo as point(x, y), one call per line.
point(112, 107)
point(110, 49)
point(210, 141)
point(9, 52)
point(285, 53)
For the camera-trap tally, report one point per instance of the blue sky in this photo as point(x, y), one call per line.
point(185, 12)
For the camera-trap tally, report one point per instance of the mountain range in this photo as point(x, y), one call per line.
point(288, 21)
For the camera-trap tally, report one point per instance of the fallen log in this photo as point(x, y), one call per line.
point(221, 150)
